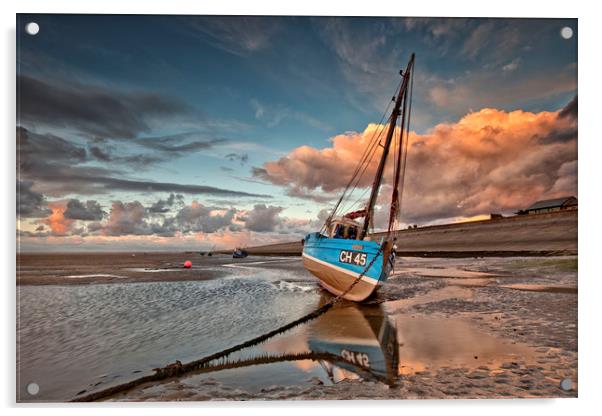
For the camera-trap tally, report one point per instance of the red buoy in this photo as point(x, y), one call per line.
point(188, 264)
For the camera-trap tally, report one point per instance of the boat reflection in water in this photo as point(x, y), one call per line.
point(357, 338)
point(349, 341)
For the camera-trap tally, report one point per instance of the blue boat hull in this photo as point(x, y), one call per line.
point(338, 262)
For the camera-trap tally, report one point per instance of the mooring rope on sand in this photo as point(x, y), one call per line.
point(177, 369)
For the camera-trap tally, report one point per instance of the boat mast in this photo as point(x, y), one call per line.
point(381, 166)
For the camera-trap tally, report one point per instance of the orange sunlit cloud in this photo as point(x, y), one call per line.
point(488, 161)
point(59, 225)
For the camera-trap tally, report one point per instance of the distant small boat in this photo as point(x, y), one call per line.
point(342, 253)
point(239, 253)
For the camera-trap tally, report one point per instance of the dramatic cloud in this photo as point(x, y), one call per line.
point(304, 193)
point(165, 205)
point(178, 144)
point(496, 39)
point(133, 219)
point(88, 183)
point(94, 226)
point(127, 218)
point(262, 218)
point(56, 221)
point(130, 226)
point(58, 166)
point(137, 161)
point(511, 66)
point(30, 203)
point(240, 157)
point(41, 149)
point(479, 89)
point(239, 35)
point(197, 217)
point(463, 64)
point(149, 186)
point(328, 169)
point(566, 184)
point(77, 210)
point(91, 110)
point(570, 110)
point(437, 30)
point(272, 116)
point(363, 56)
point(488, 161)
point(100, 154)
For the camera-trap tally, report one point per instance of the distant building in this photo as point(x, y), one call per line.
point(551, 205)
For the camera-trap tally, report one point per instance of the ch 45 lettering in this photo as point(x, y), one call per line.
point(353, 257)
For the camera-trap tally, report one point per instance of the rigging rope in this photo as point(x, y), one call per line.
point(366, 156)
point(354, 185)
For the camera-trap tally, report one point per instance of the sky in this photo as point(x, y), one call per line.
point(193, 132)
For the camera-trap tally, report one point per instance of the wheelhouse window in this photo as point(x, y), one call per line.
point(344, 231)
point(352, 233)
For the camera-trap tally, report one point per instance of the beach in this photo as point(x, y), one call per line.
point(438, 328)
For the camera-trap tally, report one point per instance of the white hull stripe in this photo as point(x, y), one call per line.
point(367, 279)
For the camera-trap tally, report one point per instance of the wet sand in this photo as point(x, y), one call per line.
point(88, 268)
point(488, 328)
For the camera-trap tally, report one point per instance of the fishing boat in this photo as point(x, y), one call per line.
point(342, 255)
point(239, 253)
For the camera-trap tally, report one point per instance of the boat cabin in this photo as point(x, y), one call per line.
point(344, 228)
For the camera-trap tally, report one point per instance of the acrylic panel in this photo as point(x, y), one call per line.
point(283, 208)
